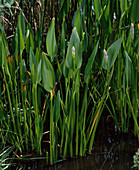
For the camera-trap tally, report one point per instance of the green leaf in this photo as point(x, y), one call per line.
point(21, 31)
point(134, 12)
point(56, 108)
point(128, 69)
point(74, 41)
point(63, 34)
point(38, 55)
point(4, 52)
point(77, 22)
point(47, 74)
point(32, 61)
point(38, 79)
point(24, 72)
point(90, 62)
point(5, 43)
point(51, 41)
point(78, 19)
point(112, 52)
point(29, 39)
point(11, 65)
point(97, 7)
point(123, 5)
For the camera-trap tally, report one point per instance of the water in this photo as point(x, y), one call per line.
point(112, 151)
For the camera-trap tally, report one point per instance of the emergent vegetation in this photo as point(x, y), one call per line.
point(63, 63)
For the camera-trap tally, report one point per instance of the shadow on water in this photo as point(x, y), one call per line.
point(112, 151)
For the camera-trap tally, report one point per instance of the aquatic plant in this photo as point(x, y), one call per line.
point(60, 78)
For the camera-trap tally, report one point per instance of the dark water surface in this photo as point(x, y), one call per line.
point(112, 151)
point(109, 153)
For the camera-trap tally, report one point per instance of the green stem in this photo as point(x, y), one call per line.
point(133, 114)
point(10, 103)
point(77, 124)
point(52, 139)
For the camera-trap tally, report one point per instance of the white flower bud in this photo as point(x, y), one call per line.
point(105, 55)
point(73, 51)
point(132, 30)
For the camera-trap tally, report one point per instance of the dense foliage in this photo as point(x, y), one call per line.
point(61, 64)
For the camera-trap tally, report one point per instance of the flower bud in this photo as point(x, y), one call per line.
point(73, 51)
point(132, 30)
point(105, 55)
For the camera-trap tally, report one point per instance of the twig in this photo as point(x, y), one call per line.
point(107, 156)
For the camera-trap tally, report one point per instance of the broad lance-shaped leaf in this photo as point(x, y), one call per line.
point(47, 74)
point(56, 111)
point(4, 52)
point(21, 31)
point(128, 69)
point(90, 62)
point(11, 65)
point(24, 72)
point(32, 61)
point(5, 43)
point(74, 41)
point(63, 35)
point(51, 40)
point(77, 22)
point(29, 38)
point(78, 19)
point(112, 53)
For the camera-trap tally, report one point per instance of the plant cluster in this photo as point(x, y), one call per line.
point(54, 88)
